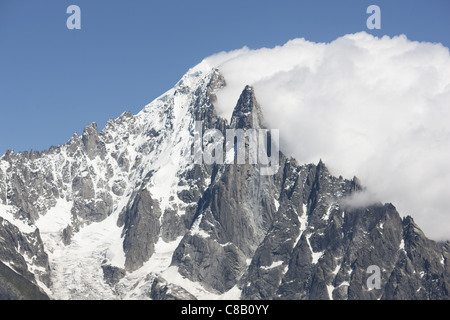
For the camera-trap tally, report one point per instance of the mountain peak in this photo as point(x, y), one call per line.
point(247, 114)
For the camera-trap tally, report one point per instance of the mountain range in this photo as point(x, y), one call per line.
point(125, 213)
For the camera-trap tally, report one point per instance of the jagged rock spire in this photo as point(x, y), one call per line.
point(247, 114)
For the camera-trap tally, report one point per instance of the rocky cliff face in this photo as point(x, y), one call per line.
point(125, 213)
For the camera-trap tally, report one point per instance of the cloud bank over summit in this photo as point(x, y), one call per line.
point(377, 108)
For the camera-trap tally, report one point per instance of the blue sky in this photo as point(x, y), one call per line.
point(54, 81)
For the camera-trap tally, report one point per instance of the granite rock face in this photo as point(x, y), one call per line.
point(162, 290)
point(18, 249)
point(15, 287)
point(112, 275)
point(128, 213)
point(141, 230)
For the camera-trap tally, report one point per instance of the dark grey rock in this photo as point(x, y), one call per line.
point(93, 145)
point(172, 226)
point(112, 274)
point(217, 266)
point(13, 286)
point(162, 290)
point(67, 235)
point(421, 272)
point(16, 245)
point(141, 230)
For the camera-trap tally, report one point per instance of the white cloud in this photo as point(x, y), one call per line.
point(360, 199)
point(377, 108)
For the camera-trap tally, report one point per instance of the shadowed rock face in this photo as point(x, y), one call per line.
point(284, 236)
point(15, 287)
point(141, 230)
point(162, 290)
point(16, 248)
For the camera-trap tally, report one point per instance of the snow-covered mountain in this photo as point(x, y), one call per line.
point(125, 213)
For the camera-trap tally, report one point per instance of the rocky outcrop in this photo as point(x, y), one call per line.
point(162, 290)
point(18, 249)
point(112, 275)
point(15, 287)
point(141, 230)
point(421, 271)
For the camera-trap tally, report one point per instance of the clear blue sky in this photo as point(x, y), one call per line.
point(54, 81)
